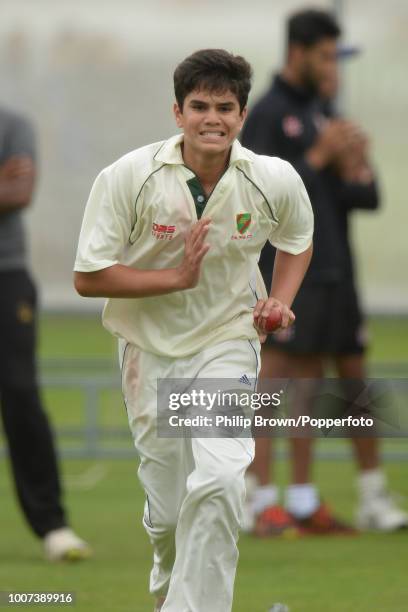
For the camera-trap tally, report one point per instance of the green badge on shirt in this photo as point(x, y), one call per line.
point(243, 222)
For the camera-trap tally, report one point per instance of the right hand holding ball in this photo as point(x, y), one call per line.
point(272, 315)
point(273, 321)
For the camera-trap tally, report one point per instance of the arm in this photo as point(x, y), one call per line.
point(292, 238)
point(354, 195)
point(264, 134)
point(119, 281)
point(356, 186)
point(16, 183)
point(17, 172)
point(288, 273)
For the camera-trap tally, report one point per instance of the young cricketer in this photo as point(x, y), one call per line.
point(171, 235)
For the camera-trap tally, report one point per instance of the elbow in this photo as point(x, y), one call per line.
point(22, 202)
point(375, 203)
point(17, 202)
point(22, 195)
point(308, 255)
point(81, 285)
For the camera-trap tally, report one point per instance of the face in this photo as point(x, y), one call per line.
point(210, 121)
point(318, 63)
point(329, 85)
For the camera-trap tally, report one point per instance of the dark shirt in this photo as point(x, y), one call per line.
point(16, 138)
point(285, 123)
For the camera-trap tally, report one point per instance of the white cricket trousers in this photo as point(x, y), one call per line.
point(194, 487)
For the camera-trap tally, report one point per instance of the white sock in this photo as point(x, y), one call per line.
point(263, 497)
point(371, 483)
point(302, 499)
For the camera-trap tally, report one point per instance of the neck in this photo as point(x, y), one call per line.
point(208, 168)
point(292, 76)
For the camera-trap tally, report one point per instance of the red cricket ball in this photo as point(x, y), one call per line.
point(274, 320)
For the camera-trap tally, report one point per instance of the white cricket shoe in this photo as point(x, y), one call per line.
point(378, 509)
point(64, 545)
point(381, 513)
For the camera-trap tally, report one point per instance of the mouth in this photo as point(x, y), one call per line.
point(212, 134)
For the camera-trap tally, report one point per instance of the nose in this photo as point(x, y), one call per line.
point(212, 117)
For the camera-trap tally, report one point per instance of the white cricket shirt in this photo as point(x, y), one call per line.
point(139, 209)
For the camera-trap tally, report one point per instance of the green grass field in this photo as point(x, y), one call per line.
point(363, 574)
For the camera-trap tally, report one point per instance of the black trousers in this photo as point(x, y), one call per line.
point(27, 430)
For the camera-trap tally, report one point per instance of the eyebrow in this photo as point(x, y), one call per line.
point(229, 103)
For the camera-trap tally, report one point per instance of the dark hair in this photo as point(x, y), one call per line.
point(215, 70)
point(309, 26)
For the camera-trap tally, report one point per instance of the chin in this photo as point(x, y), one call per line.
point(218, 147)
point(215, 150)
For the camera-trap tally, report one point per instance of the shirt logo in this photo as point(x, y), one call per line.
point(163, 232)
point(243, 223)
point(245, 380)
point(292, 126)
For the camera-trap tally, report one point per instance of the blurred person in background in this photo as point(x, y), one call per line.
point(27, 430)
point(295, 120)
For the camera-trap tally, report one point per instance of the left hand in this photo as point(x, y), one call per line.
point(263, 309)
point(16, 167)
point(349, 165)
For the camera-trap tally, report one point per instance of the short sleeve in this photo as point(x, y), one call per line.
point(294, 231)
point(107, 224)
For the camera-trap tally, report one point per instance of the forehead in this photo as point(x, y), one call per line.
point(212, 97)
point(325, 46)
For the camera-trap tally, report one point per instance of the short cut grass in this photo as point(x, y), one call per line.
point(213, 70)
